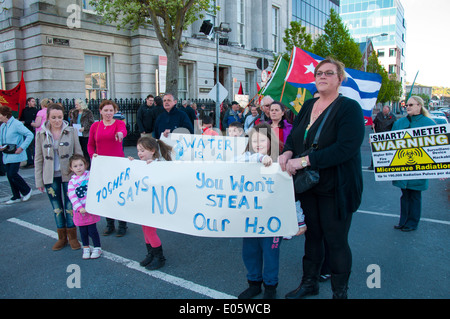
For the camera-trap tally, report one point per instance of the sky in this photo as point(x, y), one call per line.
point(427, 41)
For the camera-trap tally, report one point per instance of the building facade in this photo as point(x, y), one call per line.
point(66, 53)
point(383, 23)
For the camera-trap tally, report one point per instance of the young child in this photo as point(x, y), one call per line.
point(77, 191)
point(236, 129)
point(149, 150)
point(261, 252)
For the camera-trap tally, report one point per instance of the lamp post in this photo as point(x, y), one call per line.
point(368, 40)
point(222, 29)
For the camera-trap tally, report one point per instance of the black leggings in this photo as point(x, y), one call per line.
point(324, 227)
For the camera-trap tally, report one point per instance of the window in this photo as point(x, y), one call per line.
point(380, 53)
point(87, 6)
point(240, 21)
point(392, 52)
point(392, 68)
point(183, 82)
point(275, 29)
point(95, 76)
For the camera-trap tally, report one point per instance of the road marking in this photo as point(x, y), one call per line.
point(134, 265)
point(398, 216)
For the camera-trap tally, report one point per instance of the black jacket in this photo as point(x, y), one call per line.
point(338, 156)
point(172, 120)
point(145, 118)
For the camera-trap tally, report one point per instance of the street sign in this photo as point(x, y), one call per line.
point(223, 93)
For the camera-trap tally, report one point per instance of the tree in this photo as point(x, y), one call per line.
point(296, 36)
point(168, 17)
point(336, 42)
point(391, 89)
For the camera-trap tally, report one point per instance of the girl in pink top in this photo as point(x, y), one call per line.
point(149, 150)
point(77, 191)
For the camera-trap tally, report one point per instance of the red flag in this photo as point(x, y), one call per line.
point(15, 98)
point(258, 88)
point(241, 91)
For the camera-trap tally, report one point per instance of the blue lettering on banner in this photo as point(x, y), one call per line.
point(112, 186)
point(249, 186)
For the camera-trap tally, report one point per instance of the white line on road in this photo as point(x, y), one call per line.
point(131, 264)
point(398, 216)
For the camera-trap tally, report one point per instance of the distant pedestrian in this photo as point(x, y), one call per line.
point(383, 122)
point(14, 140)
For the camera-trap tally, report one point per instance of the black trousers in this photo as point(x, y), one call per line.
point(325, 228)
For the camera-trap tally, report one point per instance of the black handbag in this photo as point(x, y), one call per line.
point(10, 148)
point(307, 178)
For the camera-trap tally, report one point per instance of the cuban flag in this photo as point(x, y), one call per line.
point(360, 86)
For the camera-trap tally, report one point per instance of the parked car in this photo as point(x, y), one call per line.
point(438, 113)
point(439, 119)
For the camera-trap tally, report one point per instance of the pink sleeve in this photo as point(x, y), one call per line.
point(121, 127)
point(92, 139)
point(73, 197)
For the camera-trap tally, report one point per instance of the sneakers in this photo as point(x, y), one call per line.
point(96, 253)
point(86, 253)
point(27, 196)
point(13, 201)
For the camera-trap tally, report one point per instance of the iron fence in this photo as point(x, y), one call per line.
point(128, 108)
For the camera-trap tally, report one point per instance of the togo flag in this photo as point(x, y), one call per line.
point(360, 86)
point(291, 96)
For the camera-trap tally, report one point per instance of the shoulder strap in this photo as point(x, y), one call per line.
point(327, 112)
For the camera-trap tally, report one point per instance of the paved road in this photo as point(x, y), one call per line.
point(410, 265)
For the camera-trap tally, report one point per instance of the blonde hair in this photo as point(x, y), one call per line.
point(45, 102)
point(82, 104)
point(421, 102)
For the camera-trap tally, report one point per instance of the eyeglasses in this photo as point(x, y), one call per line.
point(410, 104)
point(327, 73)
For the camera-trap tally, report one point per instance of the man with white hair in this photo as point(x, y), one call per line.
point(265, 108)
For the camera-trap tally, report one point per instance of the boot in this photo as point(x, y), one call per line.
point(270, 291)
point(339, 285)
point(62, 239)
point(122, 229)
point(109, 227)
point(73, 241)
point(253, 290)
point(148, 259)
point(158, 259)
point(309, 285)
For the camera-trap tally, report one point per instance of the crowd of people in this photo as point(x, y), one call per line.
point(62, 151)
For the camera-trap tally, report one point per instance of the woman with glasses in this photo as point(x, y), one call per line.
point(55, 144)
point(329, 205)
point(411, 199)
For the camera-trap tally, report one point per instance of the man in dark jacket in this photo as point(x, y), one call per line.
point(186, 107)
point(27, 117)
point(172, 118)
point(145, 116)
point(383, 122)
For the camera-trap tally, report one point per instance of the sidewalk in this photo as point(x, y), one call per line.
point(28, 175)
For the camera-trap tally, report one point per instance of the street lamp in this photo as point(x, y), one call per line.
point(368, 40)
point(222, 29)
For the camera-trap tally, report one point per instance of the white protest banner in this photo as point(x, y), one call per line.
point(417, 153)
point(191, 147)
point(207, 199)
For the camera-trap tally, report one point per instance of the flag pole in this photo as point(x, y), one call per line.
point(412, 87)
point(289, 67)
point(267, 82)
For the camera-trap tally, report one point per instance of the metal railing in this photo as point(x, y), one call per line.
point(128, 108)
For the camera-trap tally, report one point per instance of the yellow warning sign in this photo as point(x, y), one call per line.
point(411, 156)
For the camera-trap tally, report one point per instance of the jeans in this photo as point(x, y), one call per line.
point(410, 208)
point(62, 206)
point(89, 231)
point(259, 253)
point(17, 183)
